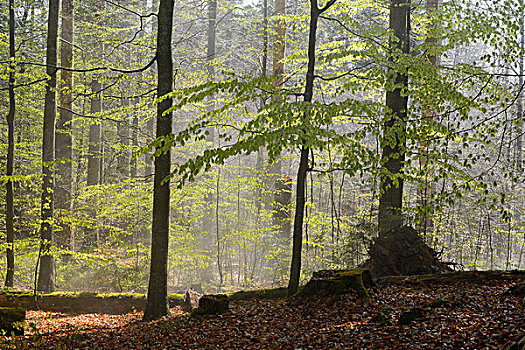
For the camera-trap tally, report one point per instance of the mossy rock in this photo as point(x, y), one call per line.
point(441, 303)
point(212, 304)
point(12, 320)
point(338, 282)
point(517, 345)
point(410, 315)
point(381, 319)
point(518, 289)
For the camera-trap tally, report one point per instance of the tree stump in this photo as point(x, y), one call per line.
point(212, 305)
point(191, 300)
point(336, 282)
point(12, 320)
point(402, 252)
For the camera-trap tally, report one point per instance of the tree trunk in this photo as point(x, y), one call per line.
point(123, 135)
point(63, 134)
point(519, 112)
point(45, 277)
point(134, 143)
point(210, 54)
point(9, 199)
point(425, 188)
point(279, 45)
point(94, 166)
point(94, 146)
point(295, 268)
point(393, 141)
point(157, 303)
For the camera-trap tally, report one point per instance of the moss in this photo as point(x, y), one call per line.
point(518, 289)
point(122, 296)
point(439, 303)
point(175, 299)
point(12, 320)
point(410, 315)
point(381, 319)
point(337, 283)
point(273, 293)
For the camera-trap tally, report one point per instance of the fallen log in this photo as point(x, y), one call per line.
point(12, 320)
point(80, 303)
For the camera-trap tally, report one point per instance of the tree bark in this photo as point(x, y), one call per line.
point(393, 141)
point(134, 143)
point(9, 197)
point(64, 127)
point(94, 166)
point(519, 112)
point(95, 131)
point(46, 274)
point(123, 135)
point(157, 303)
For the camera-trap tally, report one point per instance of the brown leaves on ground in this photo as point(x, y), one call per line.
point(466, 315)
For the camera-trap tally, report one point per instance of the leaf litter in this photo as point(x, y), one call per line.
point(463, 315)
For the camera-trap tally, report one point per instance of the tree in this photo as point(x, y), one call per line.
point(157, 303)
point(425, 187)
point(394, 134)
point(94, 166)
point(64, 137)
point(45, 277)
point(519, 107)
point(278, 54)
point(295, 268)
point(9, 199)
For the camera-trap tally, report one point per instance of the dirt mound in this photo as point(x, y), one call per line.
point(402, 252)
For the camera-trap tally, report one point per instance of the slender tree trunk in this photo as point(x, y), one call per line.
point(134, 143)
point(279, 46)
point(210, 199)
point(64, 127)
point(210, 53)
point(94, 166)
point(157, 303)
point(394, 129)
point(123, 135)
point(46, 275)
point(95, 134)
point(150, 123)
point(295, 268)
point(9, 199)
point(425, 189)
point(519, 116)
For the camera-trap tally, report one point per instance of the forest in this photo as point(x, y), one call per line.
point(324, 173)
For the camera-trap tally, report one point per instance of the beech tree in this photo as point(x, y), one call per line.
point(157, 303)
point(394, 129)
point(45, 277)
point(64, 136)
point(9, 197)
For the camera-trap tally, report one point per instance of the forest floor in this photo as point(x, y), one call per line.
point(463, 315)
